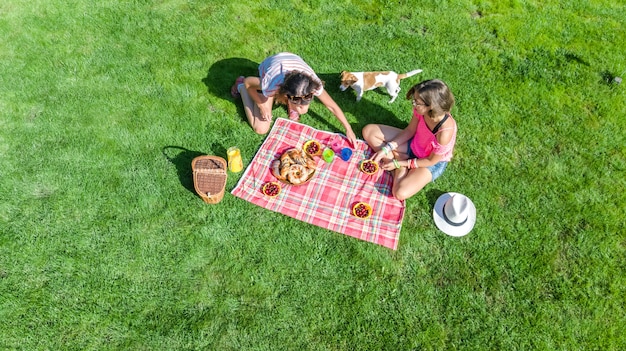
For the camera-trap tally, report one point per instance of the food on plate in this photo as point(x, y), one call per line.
point(312, 147)
point(362, 210)
point(369, 166)
point(297, 174)
point(271, 189)
point(294, 166)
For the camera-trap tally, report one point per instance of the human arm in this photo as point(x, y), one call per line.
point(393, 140)
point(431, 160)
point(336, 110)
point(444, 145)
point(253, 85)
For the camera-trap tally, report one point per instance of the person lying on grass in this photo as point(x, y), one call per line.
point(419, 153)
point(286, 79)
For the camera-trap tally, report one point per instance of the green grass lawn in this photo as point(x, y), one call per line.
point(105, 246)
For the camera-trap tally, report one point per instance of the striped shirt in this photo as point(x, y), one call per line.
point(273, 69)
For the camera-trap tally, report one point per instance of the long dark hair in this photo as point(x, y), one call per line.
point(298, 84)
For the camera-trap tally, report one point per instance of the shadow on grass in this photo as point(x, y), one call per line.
point(610, 79)
point(365, 111)
point(222, 74)
point(432, 195)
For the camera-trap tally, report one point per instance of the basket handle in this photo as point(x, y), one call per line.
point(210, 171)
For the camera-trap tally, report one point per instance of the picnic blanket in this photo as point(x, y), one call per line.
point(326, 200)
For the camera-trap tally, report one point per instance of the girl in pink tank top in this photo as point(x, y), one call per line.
point(419, 153)
point(425, 140)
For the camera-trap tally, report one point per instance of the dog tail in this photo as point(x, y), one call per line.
point(408, 74)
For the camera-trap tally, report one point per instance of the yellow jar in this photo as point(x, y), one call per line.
point(235, 164)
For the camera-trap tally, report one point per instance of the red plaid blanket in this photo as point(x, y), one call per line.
point(326, 200)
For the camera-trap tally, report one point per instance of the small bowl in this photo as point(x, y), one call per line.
point(314, 144)
point(271, 189)
point(357, 210)
point(363, 164)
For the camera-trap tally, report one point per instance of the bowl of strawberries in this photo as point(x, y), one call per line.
point(271, 189)
point(369, 167)
point(312, 147)
point(362, 210)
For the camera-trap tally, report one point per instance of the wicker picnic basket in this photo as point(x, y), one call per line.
point(209, 177)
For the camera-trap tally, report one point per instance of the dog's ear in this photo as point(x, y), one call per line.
point(351, 78)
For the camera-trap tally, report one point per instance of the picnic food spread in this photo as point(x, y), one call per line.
point(295, 167)
point(327, 199)
point(368, 167)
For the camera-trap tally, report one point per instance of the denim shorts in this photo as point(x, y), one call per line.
point(436, 170)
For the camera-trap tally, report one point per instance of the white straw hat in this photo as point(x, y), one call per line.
point(454, 214)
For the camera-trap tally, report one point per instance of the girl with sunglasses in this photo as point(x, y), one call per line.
point(419, 153)
point(285, 79)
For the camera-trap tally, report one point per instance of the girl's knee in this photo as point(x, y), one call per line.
point(262, 130)
point(405, 189)
point(367, 131)
point(402, 194)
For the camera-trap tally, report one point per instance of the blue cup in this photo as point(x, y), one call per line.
point(346, 153)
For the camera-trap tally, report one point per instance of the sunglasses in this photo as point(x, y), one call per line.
point(415, 103)
point(301, 100)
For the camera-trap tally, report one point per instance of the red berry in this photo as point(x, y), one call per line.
point(361, 211)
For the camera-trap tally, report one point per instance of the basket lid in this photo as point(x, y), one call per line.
point(209, 176)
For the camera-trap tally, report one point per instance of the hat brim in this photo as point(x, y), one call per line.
point(448, 228)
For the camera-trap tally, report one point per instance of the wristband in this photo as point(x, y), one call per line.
point(386, 149)
point(395, 163)
point(413, 163)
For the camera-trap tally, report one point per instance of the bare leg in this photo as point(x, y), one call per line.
point(377, 135)
point(408, 182)
point(253, 113)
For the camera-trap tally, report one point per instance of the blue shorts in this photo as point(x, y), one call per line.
point(436, 170)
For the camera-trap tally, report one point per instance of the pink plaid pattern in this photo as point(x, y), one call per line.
point(325, 201)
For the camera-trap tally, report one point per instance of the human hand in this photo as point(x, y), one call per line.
point(351, 137)
point(378, 157)
point(388, 164)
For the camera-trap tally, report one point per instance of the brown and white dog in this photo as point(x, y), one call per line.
point(363, 81)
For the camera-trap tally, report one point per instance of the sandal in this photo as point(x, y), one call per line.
point(234, 92)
